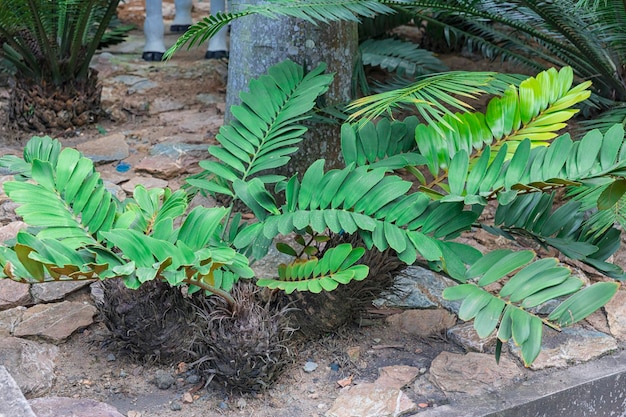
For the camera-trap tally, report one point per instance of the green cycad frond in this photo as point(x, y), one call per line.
point(404, 58)
point(532, 283)
point(317, 275)
point(384, 144)
point(73, 204)
point(430, 95)
point(354, 200)
point(80, 231)
point(535, 111)
point(266, 129)
point(565, 229)
point(319, 11)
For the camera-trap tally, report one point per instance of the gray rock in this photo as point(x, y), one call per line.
point(9, 320)
point(205, 98)
point(30, 363)
point(616, 315)
point(75, 407)
point(396, 376)
point(310, 366)
point(570, 345)
point(55, 291)
point(371, 400)
point(465, 336)
point(427, 392)
point(472, 373)
point(55, 322)
point(178, 150)
point(106, 149)
point(148, 182)
point(193, 121)
point(163, 379)
point(161, 105)
point(7, 211)
point(266, 266)
point(10, 230)
point(127, 79)
point(417, 287)
point(13, 294)
point(161, 167)
point(116, 190)
point(12, 401)
point(423, 323)
point(141, 86)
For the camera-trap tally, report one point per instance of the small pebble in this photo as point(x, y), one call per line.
point(334, 367)
point(241, 403)
point(223, 405)
point(192, 379)
point(123, 374)
point(163, 379)
point(310, 366)
point(111, 357)
point(133, 413)
point(176, 406)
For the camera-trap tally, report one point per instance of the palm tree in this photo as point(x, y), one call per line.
point(47, 46)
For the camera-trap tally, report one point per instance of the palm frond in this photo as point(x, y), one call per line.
point(404, 58)
point(431, 95)
point(323, 11)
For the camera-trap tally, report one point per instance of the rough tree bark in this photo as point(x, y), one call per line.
point(258, 42)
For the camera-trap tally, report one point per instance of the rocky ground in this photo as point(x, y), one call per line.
point(408, 355)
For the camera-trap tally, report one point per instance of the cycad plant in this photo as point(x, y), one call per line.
point(507, 155)
point(47, 47)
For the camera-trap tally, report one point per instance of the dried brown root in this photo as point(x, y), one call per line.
point(152, 323)
point(243, 350)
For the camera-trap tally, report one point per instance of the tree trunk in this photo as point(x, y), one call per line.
point(258, 42)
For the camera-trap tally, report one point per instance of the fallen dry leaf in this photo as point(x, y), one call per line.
point(346, 381)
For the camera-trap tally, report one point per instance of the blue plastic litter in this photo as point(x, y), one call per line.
point(122, 167)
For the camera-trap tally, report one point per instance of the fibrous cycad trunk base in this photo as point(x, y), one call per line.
point(152, 323)
point(246, 349)
point(316, 314)
point(44, 106)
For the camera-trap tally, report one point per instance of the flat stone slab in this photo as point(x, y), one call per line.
point(592, 389)
point(106, 149)
point(9, 320)
point(13, 294)
point(472, 373)
point(371, 400)
point(12, 401)
point(55, 322)
point(570, 345)
point(417, 287)
point(75, 407)
point(423, 323)
point(31, 364)
point(55, 291)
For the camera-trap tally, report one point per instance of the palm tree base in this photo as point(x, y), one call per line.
point(42, 106)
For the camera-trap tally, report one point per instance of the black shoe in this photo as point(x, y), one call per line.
point(179, 28)
point(152, 56)
point(216, 55)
